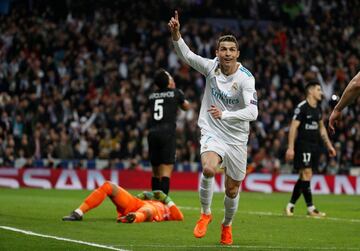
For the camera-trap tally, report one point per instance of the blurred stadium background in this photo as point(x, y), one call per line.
point(74, 79)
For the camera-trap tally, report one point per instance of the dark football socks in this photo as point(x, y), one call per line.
point(165, 184)
point(155, 184)
point(306, 190)
point(296, 191)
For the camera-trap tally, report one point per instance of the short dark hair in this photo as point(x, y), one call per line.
point(309, 84)
point(227, 38)
point(161, 79)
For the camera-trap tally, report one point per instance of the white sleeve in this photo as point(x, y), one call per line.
point(250, 112)
point(202, 65)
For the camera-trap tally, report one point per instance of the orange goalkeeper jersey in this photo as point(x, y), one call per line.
point(160, 212)
point(146, 210)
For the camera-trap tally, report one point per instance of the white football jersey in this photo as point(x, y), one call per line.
point(235, 95)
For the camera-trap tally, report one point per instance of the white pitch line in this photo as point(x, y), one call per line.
point(279, 214)
point(60, 238)
point(235, 246)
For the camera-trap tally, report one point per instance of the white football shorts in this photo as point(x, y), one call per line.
point(234, 157)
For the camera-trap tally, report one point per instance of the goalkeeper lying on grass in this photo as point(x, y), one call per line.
point(146, 206)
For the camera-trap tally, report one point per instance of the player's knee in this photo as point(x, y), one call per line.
point(209, 162)
point(107, 187)
point(306, 174)
point(208, 171)
point(232, 192)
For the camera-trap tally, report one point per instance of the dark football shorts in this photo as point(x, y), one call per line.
point(306, 156)
point(162, 147)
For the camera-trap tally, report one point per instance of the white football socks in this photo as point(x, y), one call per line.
point(206, 193)
point(231, 206)
point(79, 212)
point(311, 208)
point(290, 205)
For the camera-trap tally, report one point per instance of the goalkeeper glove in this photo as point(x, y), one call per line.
point(145, 195)
point(161, 196)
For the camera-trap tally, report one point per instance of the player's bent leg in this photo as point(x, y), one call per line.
point(231, 199)
point(97, 197)
point(296, 193)
point(306, 190)
point(125, 202)
point(209, 162)
point(231, 202)
point(92, 201)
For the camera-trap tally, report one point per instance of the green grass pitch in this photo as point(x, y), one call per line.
point(258, 225)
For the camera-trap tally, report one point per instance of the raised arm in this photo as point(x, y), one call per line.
point(351, 92)
point(197, 62)
point(174, 26)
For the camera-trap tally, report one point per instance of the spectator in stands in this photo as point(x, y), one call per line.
point(75, 64)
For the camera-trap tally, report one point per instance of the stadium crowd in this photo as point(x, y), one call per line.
point(75, 86)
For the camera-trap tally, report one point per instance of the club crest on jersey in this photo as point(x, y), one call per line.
point(234, 86)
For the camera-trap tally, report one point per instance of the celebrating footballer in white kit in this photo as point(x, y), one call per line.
point(228, 105)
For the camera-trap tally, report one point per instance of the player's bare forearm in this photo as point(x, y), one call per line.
point(292, 136)
point(324, 135)
point(291, 140)
point(325, 138)
point(293, 133)
point(351, 92)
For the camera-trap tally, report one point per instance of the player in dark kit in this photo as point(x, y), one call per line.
point(162, 139)
point(306, 129)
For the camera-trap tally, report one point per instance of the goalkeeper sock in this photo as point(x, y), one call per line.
point(155, 183)
point(79, 212)
point(96, 197)
point(296, 191)
point(165, 184)
point(206, 193)
point(306, 190)
point(231, 206)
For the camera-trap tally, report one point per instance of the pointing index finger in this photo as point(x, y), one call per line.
point(176, 15)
